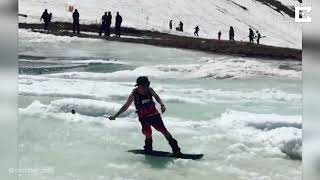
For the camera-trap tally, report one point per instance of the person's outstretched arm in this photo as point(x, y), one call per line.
point(155, 95)
point(123, 108)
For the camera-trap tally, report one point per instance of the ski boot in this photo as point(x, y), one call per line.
point(175, 148)
point(148, 145)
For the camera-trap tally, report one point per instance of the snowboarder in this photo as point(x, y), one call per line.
point(108, 23)
point(170, 24)
point(142, 96)
point(251, 35)
point(76, 25)
point(118, 25)
point(196, 31)
point(103, 27)
point(258, 37)
point(231, 34)
point(219, 35)
point(46, 18)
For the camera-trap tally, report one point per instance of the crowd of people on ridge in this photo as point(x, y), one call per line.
point(251, 36)
point(106, 21)
point(105, 27)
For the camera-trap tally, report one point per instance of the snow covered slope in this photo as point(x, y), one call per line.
point(211, 16)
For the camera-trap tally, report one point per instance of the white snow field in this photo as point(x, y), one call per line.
point(210, 15)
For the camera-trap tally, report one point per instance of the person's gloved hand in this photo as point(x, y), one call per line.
point(163, 108)
point(112, 118)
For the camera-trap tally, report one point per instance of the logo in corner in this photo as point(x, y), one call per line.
point(302, 13)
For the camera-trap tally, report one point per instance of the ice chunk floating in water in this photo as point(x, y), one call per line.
point(283, 132)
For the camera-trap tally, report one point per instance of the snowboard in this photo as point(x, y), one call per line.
point(167, 154)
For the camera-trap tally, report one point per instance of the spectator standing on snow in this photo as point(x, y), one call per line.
point(258, 37)
point(181, 26)
point(219, 35)
point(50, 17)
point(108, 23)
point(196, 30)
point(231, 34)
point(103, 27)
point(46, 18)
point(76, 24)
point(118, 25)
point(170, 24)
point(251, 35)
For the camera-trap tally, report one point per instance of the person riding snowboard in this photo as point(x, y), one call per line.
point(148, 114)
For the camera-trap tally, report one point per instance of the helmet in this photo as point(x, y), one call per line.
point(143, 81)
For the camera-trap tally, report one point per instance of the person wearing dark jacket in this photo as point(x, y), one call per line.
point(231, 34)
point(170, 24)
point(50, 17)
point(196, 30)
point(108, 23)
point(181, 26)
point(251, 35)
point(103, 27)
point(76, 25)
point(46, 18)
point(258, 37)
point(118, 25)
point(219, 35)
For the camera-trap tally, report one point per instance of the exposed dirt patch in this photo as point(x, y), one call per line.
point(279, 7)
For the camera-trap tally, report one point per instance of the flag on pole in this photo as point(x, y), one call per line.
point(70, 8)
point(71, 5)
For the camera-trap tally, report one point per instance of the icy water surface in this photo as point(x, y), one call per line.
point(243, 114)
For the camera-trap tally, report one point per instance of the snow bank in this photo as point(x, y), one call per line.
point(76, 62)
point(94, 111)
point(263, 94)
point(217, 69)
point(53, 87)
point(272, 130)
point(87, 107)
point(89, 89)
point(36, 37)
point(230, 69)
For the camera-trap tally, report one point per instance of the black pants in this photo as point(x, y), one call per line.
point(103, 28)
point(46, 25)
point(118, 31)
point(108, 30)
point(76, 27)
